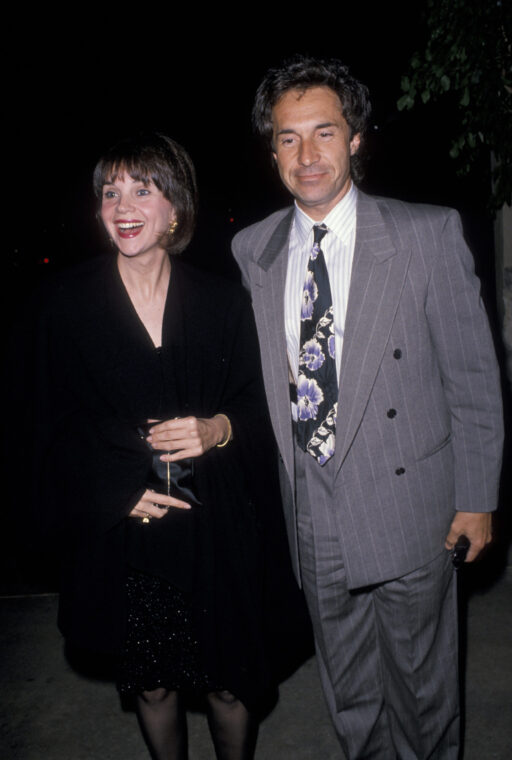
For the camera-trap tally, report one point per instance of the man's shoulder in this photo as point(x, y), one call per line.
point(260, 231)
point(420, 225)
point(402, 212)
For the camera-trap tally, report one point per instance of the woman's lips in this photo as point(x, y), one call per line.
point(128, 228)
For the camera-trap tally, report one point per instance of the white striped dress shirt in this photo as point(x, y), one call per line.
point(338, 249)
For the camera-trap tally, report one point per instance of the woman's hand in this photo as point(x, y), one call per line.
point(188, 436)
point(155, 504)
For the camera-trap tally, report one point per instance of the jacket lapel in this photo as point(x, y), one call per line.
point(269, 277)
point(378, 274)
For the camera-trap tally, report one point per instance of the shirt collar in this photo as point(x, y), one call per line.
point(341, 219)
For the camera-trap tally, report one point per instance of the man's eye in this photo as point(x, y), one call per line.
point(325, 134)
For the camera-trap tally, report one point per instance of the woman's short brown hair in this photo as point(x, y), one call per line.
point(155, 158)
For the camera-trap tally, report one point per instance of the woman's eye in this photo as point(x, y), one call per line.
point(143, 191)
point(109, 194)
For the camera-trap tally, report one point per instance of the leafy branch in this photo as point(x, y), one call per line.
point(467, 60)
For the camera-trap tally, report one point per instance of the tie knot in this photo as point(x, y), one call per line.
point(319, 232)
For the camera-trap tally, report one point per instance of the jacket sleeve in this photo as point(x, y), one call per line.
point(464, 347)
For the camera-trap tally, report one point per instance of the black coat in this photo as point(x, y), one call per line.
point(99, 375)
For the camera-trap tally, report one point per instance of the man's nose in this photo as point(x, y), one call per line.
point(308, 154)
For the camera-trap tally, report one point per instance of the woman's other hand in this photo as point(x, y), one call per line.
point(153, 504)
point(189, 436)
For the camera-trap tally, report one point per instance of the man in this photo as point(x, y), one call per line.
point(383, 390)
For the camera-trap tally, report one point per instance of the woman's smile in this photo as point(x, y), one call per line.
point(128, 228)
point(136, 215)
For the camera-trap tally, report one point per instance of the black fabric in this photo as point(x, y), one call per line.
point(162, 644)
point(99, 377)
point(170, 478)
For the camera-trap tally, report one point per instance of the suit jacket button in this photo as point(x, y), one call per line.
point(400, 471)
point(397, 354)
point(391, 413)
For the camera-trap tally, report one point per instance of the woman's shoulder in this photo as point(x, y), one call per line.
point(78, 275)
point(73, 285)
point(209, 289)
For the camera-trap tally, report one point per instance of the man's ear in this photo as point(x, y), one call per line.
point(355, 143)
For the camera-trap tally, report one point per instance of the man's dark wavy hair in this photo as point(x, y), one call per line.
point(301, 73)
point(155, 157)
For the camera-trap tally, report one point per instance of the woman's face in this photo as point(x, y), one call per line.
point(135, 215)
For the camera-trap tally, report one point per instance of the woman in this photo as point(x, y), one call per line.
point(153, 427)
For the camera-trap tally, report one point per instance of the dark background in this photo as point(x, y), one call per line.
point(77, 84)
point(77, 80)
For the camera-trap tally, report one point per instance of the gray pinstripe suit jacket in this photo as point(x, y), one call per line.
point(419, 430)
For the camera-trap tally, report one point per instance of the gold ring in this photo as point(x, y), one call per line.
point(146, 519)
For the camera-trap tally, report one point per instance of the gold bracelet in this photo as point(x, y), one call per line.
point(230, 431)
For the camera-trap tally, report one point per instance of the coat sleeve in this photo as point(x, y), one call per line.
point(469, 371)
point(243, 400)
point(89, 469)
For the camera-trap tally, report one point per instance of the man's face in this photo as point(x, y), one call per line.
point(312, 148)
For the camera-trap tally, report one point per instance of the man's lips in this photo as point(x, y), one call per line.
point(128, 228)
point(310, 176)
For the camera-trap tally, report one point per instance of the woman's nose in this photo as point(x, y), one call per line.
point(124, 202)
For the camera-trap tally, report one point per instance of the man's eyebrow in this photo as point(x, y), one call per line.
point(323, 125)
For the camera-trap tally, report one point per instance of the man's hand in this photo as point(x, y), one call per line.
point(477, 526)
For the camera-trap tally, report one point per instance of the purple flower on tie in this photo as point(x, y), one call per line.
point(309, 398)
point(331, 346)
point(326, 449)
point(315, 251)
point(312, 355)
point(309, 296)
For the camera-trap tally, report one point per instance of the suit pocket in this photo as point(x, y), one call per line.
point(444, 442)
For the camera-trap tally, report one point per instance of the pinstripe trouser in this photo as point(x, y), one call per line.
point(387, 654)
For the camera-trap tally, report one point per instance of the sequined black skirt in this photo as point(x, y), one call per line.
point(162, 647)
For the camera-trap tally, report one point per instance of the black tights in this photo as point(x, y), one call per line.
point(164, 725)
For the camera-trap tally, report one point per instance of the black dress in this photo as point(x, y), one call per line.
point(100, 376)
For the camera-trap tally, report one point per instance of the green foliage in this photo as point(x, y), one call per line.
point(467, 59)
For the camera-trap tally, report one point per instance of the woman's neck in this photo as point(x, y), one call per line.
point(146, 281)
point(145, 277)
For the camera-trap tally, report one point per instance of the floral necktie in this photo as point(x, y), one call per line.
point(317, 385)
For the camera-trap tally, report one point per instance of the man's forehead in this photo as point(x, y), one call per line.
point(307, 100)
